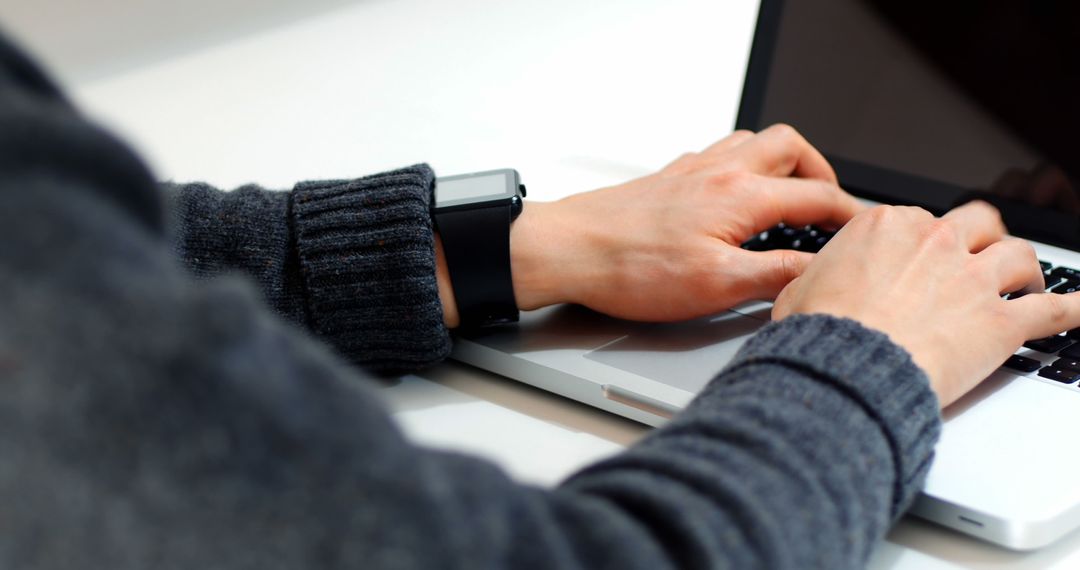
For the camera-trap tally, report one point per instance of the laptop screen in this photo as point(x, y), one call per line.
point(932, 103)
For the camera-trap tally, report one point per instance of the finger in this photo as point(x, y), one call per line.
point(729, 142)
point(798, 202)
point(1015, 266)
point(766, 273)
point(692, 161)
point(1045, 314)
point(978, 223)
point(781, 151)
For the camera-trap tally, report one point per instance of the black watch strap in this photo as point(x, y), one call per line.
point(476, 243)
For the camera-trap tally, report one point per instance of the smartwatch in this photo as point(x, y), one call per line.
point(472, 213)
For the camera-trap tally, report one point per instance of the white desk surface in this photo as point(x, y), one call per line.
point(576, 95)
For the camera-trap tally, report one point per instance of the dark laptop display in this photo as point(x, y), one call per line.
point(932, 103)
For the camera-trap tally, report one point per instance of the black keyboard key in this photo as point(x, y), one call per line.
point(1073, 334)
point(1053, 281)
point(1072, 353)
point(1066, 272)
point(1067, 364)
point(1067, 286)
point(1049, 345)
point(797, 238)
point(813, 241)
point(765, 241)
point(1022, 363)
point(1016, 294)
point(757, 243)
point(806, 238)
point(1045, 265)
point(772, 238)
point(1059, 375)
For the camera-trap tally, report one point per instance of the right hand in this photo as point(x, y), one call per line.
point(666, 247)
point(934, 286)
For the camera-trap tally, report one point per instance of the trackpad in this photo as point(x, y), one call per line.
point(685, 355)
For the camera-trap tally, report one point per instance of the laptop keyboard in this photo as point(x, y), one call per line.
point(1040, 353)
point(806, 238)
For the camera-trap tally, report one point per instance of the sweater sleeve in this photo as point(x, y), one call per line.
point(352, 261)
point(167, 413)
point(154, 420)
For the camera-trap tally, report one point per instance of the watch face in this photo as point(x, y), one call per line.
point(476, 188)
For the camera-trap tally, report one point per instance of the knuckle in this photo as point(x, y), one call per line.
point(1025, 250)
point(685, 163)
point(996, 216)
point(987, 208)
point(918, 213)
point(732, 179)
point(880, 214)
point(993, 216)
point(742, 133)
point(785, 130)
point(686, 158)
point(942, 233)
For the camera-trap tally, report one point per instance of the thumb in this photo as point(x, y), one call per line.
point(768, 272)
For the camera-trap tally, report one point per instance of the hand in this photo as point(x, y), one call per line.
point(666, 247)
point(934, 286)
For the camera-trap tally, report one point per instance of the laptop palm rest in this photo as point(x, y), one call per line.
point(642, 371)
point(1003, 471)
point(684, 355)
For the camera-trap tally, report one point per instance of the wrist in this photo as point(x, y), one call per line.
point(535, 252)
point(446, 287)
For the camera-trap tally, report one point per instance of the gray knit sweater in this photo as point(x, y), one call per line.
point(192, 390)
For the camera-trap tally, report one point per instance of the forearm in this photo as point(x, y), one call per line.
point(148, 413)
point(352, 261)
point(236, 424)
point(258, 445)
point(249, 231)
point(799, 455)
point(777, 465)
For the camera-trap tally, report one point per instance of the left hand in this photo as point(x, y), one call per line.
point(934, 286)
point(666, 247)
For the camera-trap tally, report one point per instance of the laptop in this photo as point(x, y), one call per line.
point(913, 102)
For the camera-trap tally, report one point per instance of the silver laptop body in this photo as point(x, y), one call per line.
point(1004, 470)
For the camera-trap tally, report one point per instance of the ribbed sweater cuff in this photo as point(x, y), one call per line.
point(868, 368)
point(367, 254)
